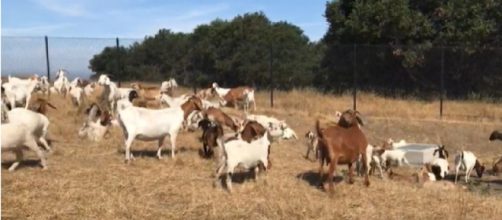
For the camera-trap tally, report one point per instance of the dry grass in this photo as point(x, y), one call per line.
point(90, 180)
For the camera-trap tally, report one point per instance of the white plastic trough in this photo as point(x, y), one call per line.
point(418, 154)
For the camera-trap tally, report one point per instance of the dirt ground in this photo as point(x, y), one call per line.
point(87, 180)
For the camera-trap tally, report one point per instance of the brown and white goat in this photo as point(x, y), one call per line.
point(146, 92)
point(343, 144)
point(242, 94)
point(220, 117)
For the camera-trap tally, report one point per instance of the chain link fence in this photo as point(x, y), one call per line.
point(394, 71)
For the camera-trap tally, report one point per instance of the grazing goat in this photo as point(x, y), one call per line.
point(40, 106)
point(16, 136)
point(151, 124)
point(468, 161)
point(93, 129)
point(390, 156)
point(36, 123)
point(439, 165)
point(252, 156)
point(312, 143)
point(216, 115)
point(496, 135)
point(234, 95)
point(343, 144)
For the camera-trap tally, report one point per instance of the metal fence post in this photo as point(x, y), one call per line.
point(48, 64)
point(354, 89)
point(118, 60)
point(441, 96)
point(271, 79)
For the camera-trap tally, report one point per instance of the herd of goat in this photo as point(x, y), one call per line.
point(150, 113)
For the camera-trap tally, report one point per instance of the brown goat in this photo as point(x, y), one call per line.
point(210, 133)
point(148, 93)
point(252, 130)
point(40, 106)
point(342, 144)
point(221, 118)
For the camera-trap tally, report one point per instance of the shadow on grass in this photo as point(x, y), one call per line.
point(24, 163)
point(312, 178)
point(153, 153)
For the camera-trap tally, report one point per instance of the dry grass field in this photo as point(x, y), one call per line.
point(88, 180)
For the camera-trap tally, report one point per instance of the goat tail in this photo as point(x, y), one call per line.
point(318, 128)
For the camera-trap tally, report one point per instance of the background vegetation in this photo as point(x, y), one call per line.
point(393, 47)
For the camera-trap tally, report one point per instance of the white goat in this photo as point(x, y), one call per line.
point(375, 155)
point(312, 144)
point(111, 92)
point(389, 156)
point(16, 136)
point(467, 161)
point(265, 121)
point(220, 91)
point(154, 124)
point(288, 133)
point(166, 85)
point(19, 90)
point(61, 84)
point(248, 155)
point(397, 145)
point(95, 128)
point(44, 84)
point(36, 123)
point(76, 94)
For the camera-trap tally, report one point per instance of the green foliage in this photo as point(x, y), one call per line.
point(410, 34)
point(235, 52)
